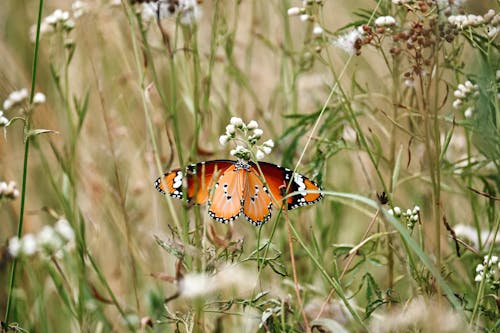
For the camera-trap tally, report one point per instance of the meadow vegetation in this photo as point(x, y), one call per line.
point(392, 106)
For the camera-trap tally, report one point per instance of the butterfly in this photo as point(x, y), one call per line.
point(232, 188)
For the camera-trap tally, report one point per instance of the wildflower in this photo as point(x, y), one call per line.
point(468, 112)
point(488, 271)
point(39, 98)
point(295, 11)
point(347, 41)
point(8, 190)
point(269, 143)
point(250, 134)
point(252, 125)
point(317, 30)
point(49, 240)
point(240, 152)
point(14, 247)
point(266, 150)
point(223, 139)
point(64, 229)
point(79, 8)
point(236, 122)
point(187, 11)
point(258, 132)
point(16, 97)
point(29, 245)
point(230, 129)
point(3, 120)
point(304, 17)
point(463, 21)
point(384, 21)
point(465, 95)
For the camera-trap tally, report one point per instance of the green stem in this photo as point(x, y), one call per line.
point(25, 163)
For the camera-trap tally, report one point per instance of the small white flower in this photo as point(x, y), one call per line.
point(383, 21)
point(469, 112)
point(391, 212)
point(258, 132)
point(48, 239)
point(469, 85)
point(230, 129)
point(236, 122)
point(7, 104)
point(266, 150)
point(64, 229)
point(223, 139)
point(457, 103)
point(304, 17)
point(3, 120)
point(459, 93)
point(397, 211)
point(294, 11)
point(79, 8)
point(268, 143)
point(39, 98)
point(317, 30)
point(14, 247)
point(259, 154)
point(416, 209)
point(494, 260)
point(409, 83)
point(479, 268)
point(478, 278)
point(252, 125)
point(408, 212)
point(29, 245)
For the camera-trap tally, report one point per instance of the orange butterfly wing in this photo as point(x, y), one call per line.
point(279, 179)
point(257, 202)
point(225, 205)
point(199, 179)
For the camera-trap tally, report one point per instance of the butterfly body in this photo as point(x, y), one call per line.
point(232, 188)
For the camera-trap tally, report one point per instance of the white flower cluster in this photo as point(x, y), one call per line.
point(385, 21)
point(463, 95)
point(347, 41)
point(463, 21)
point(251, 134)
point(60, 19)
point(489, 271)
point(490, 20)
point(305, 15)
point(15, 98)
point(50, 241)
point(187, 11)
point(410, 216)
point(18, 98)
point(8, 190)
